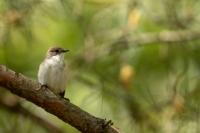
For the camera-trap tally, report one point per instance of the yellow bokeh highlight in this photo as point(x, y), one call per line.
point(126, 75)
point(134, 18)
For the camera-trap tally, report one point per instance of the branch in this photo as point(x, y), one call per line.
point(18, 109)
point(161, 37)
point(66, 111)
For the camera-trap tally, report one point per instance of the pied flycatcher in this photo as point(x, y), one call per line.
point(52, 71)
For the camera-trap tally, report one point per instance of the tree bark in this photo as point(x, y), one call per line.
point(63, 109)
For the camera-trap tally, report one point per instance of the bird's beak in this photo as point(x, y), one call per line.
point(65, 50)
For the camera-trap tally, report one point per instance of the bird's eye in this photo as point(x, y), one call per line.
point(56, 50)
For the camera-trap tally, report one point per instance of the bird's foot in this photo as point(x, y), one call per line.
point(62, 94)
point(66, 99)
point(42, 87)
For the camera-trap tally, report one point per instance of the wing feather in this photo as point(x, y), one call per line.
point(43, 73)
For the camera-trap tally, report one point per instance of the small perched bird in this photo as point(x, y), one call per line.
point(52, 71)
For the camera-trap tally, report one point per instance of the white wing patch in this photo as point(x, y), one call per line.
point(43, 73)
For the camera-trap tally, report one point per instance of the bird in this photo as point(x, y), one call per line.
point(52, 71)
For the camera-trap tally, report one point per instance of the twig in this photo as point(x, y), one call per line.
point(143, 39)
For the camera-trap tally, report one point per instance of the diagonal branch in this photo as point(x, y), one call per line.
point(19, 109)
point(66, 111)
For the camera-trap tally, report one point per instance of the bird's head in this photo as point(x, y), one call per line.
point(56, 52)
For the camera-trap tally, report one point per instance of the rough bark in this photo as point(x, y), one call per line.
point(63, 109)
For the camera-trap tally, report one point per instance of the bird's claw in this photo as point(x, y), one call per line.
point(66, 99)
point(42, 87)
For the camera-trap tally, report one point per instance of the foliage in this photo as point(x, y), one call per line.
point(142, 87)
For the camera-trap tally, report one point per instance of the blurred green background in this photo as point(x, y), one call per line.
point(135, 62)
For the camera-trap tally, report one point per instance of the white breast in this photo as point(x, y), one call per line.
point(56, 75)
